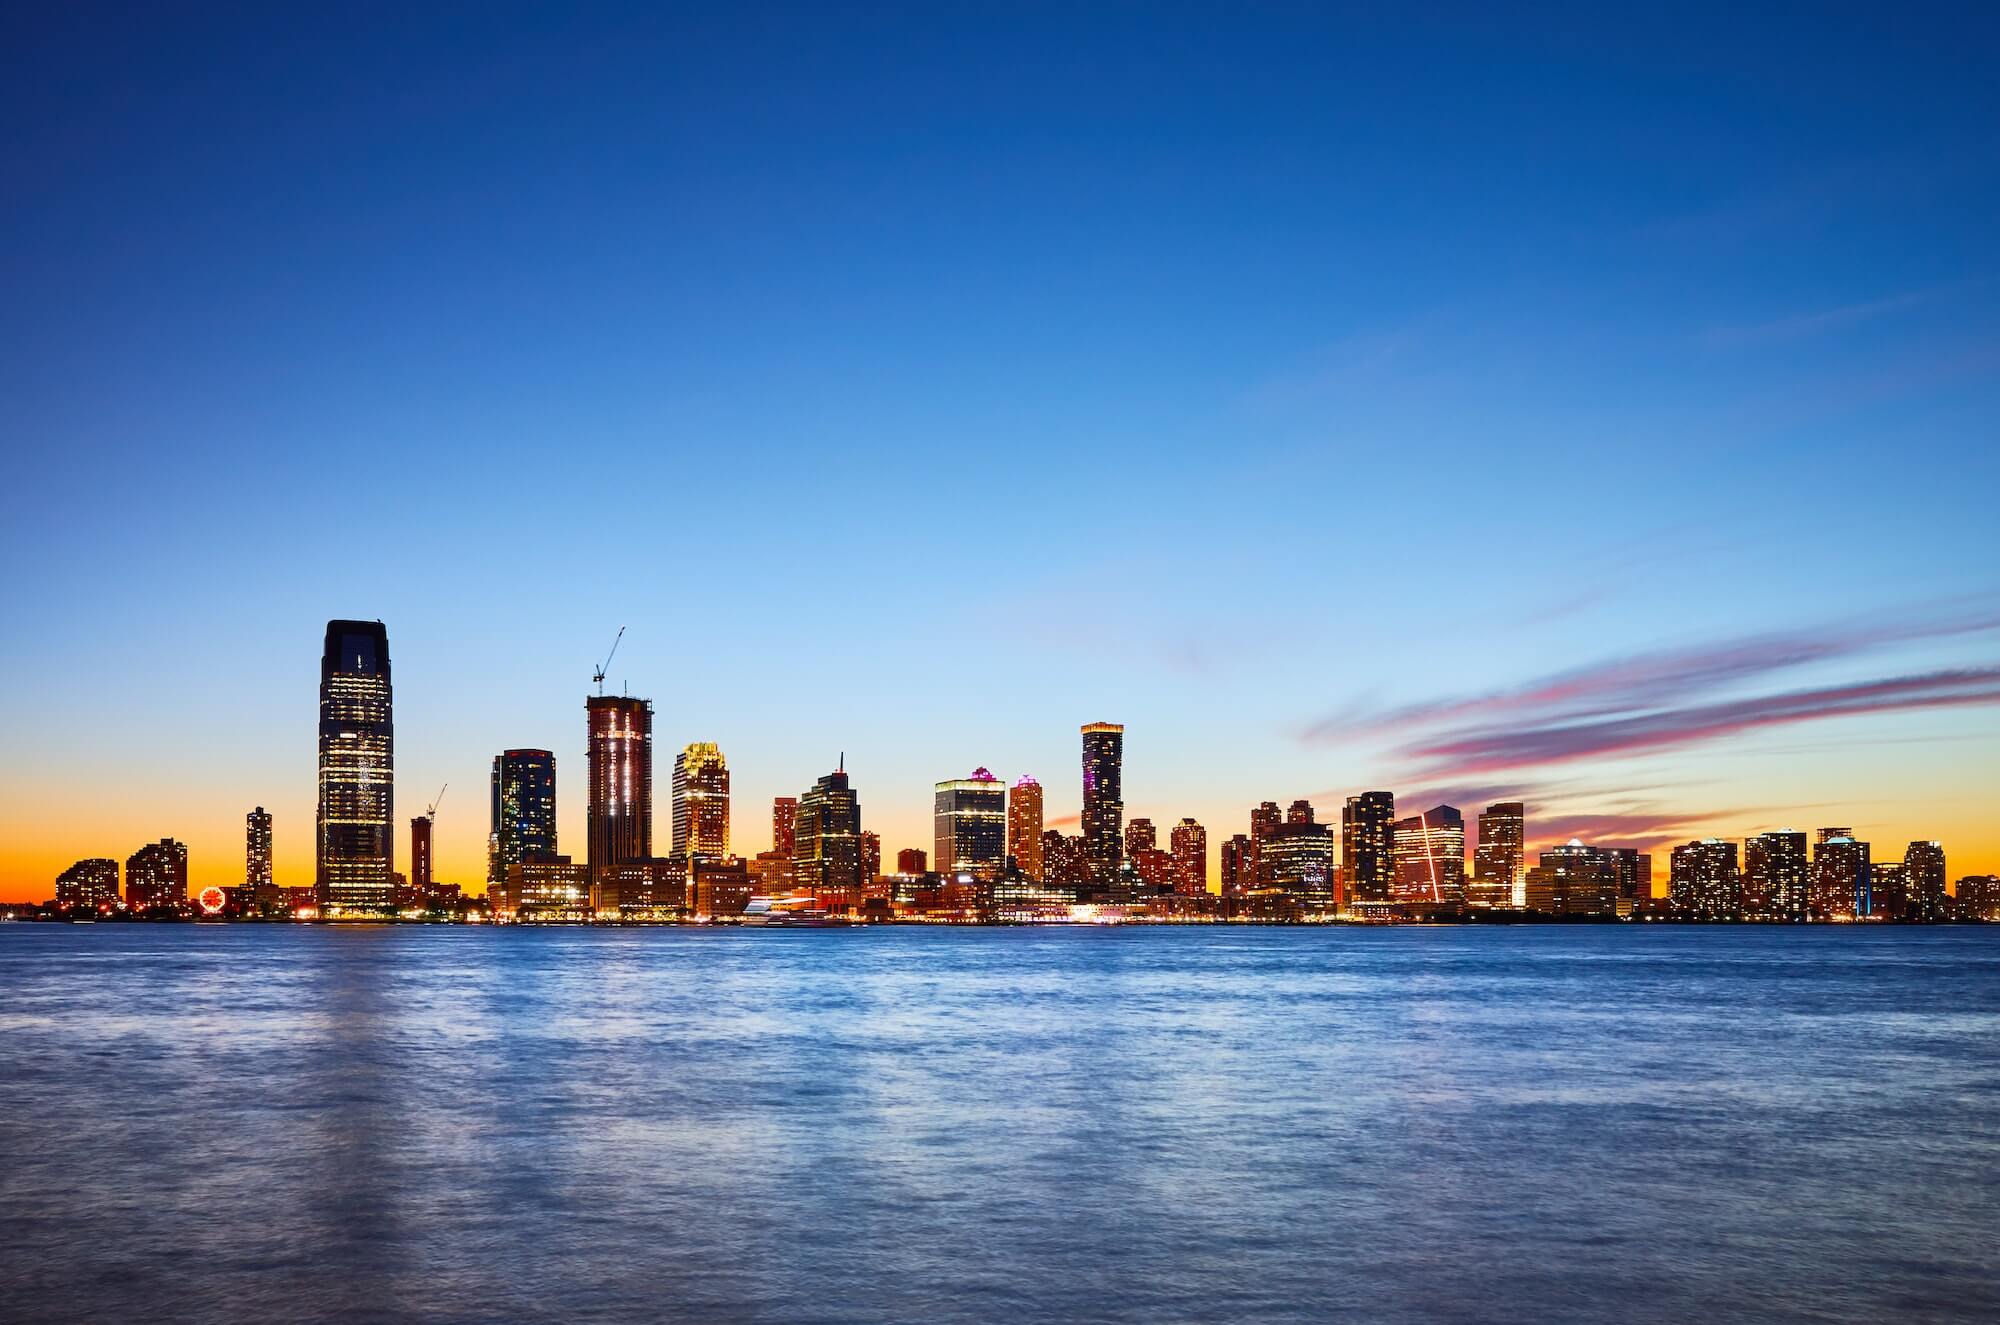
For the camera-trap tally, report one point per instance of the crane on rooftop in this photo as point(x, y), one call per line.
point(598, 675)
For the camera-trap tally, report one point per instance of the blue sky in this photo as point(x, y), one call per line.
point(924, 385)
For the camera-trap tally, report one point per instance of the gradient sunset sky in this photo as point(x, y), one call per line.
point(1603, 411)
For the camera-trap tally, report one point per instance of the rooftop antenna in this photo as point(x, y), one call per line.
point(843, 762)
point(597, 677)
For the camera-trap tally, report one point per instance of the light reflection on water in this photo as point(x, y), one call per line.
point(1641, 1123)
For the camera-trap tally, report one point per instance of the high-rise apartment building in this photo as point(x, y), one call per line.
point(89, 885)
point(1776, 876)
point(1703, 882)
point(1574, 880)
point(1065, 861)
point(871, 856)
point(356, 827)
point(1924, 883)
point(1190, 852)
point(522, 826)
point(1634, 869)
point(620, 822)
point(1430, 858)
point(1497, 859)
point(1263, 820)
point(1140, 835)
point(157, 875)
point(1296, 858)
point(1299, 812)
point(420, 855)
point(1238, 865)
point(784, 823)
point(1841, 875)
point(1103, 796)
point(969, 821)
point(257, 852)
point(1024, 826)
point(701, 801)
point(826, 854)
point(1368, 846)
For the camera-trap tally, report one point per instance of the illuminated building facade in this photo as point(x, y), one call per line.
point(621, 778)
point(1840, 881)
point(720, 887)
point(1924, 883)
point(1190, 843)
point(701, 801)
point(1430, 858)
point(1238, 865)
point(1368, 846)
point(1065, 861)
point(1634, 869)
point(1703, 882)
point(157, 875)
point(871, 856)
point(1140, 835)
point(1103, 796)
point(257, 852)
point(784, 823)
point(1296, 859)
point(1497, 873)
point(522, 825)
point(551, 888)
point(969, 822)
point(91, 885)
point(1775, 876)
point(1024, 827)
point(1574, 880)
point(1888, 892)
point(826, 855)
point(356, 846)
point(1152, 866)
point(1979, 897)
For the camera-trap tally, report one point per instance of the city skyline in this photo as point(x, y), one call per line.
point(1597, 415)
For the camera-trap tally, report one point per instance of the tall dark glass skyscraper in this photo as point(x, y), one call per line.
point(1103, 797)
point(1368, 845)
point(826, 836)
point(970, 825)
point(524, 811)
point(357, 778)
point(621, 779)
point(257, 850)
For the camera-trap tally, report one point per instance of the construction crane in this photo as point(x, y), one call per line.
point(598, 675)
point(432, 809)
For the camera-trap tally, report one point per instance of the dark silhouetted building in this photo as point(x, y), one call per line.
point(912, 860)
point(157, 875)
point(420, 856)
point(1238, 865)
point(1368, 846)
point(1430, 858)
point(621, 779)
point(1103, 796)
point(969, 822)
point(1703, 882)
point(89, 885)
point(701, 801)
point(1190, 852)
point(1775, 876)
point(1634, 869)
point(356, 828)
point(523, 822)
point(1024, 827)
point(1498, 857)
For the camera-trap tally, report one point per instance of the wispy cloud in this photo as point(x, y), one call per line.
point(1800, 325)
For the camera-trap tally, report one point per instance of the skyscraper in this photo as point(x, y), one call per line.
point(826, 854)
point(871, 856)
point(1263, 820)
point(257, 852)
point(356, 832)
point(701, 801)
point(157, 875)
point(523, 822)
point(1840, 882)
point(1775, 875)
point(1634, 869)
point(1430, 857)
point(1368, 846)
point(1190, 843)
point(1703, 882)
point(1923, 882)
point(1297, 859)
point(1498, 857)
point(90, 885)
point(1103, 796)
point(969, 822)
point(1574, 880)
point(1024, 826)
point(420, 855)
point(621, 779)
point(784, 823)
point(1238, 865)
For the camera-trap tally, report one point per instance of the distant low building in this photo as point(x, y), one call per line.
point(1979, 897)
point(1574, 880)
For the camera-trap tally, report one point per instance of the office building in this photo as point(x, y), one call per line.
point(1703, 882)
point(1634, 869)
point(1430, 858)
point(1775, 876)
point(1103, 796)
point(1024, 827)
point(620, 751)
point(545, 888)
point(1574, 880)
point(522, 822)
point(89, 885)
point(1841, 882)
point(1190, 852)
point(157, 875)
point(1368, 846)
point(826, 854)
point(969, 825)
point(356, 834)
point(1296, 859)
point(1498, 857)
point(701, 801)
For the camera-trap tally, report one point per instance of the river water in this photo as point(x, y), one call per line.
point(1532, 1123)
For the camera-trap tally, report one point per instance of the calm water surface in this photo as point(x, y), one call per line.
point(244, 1123)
